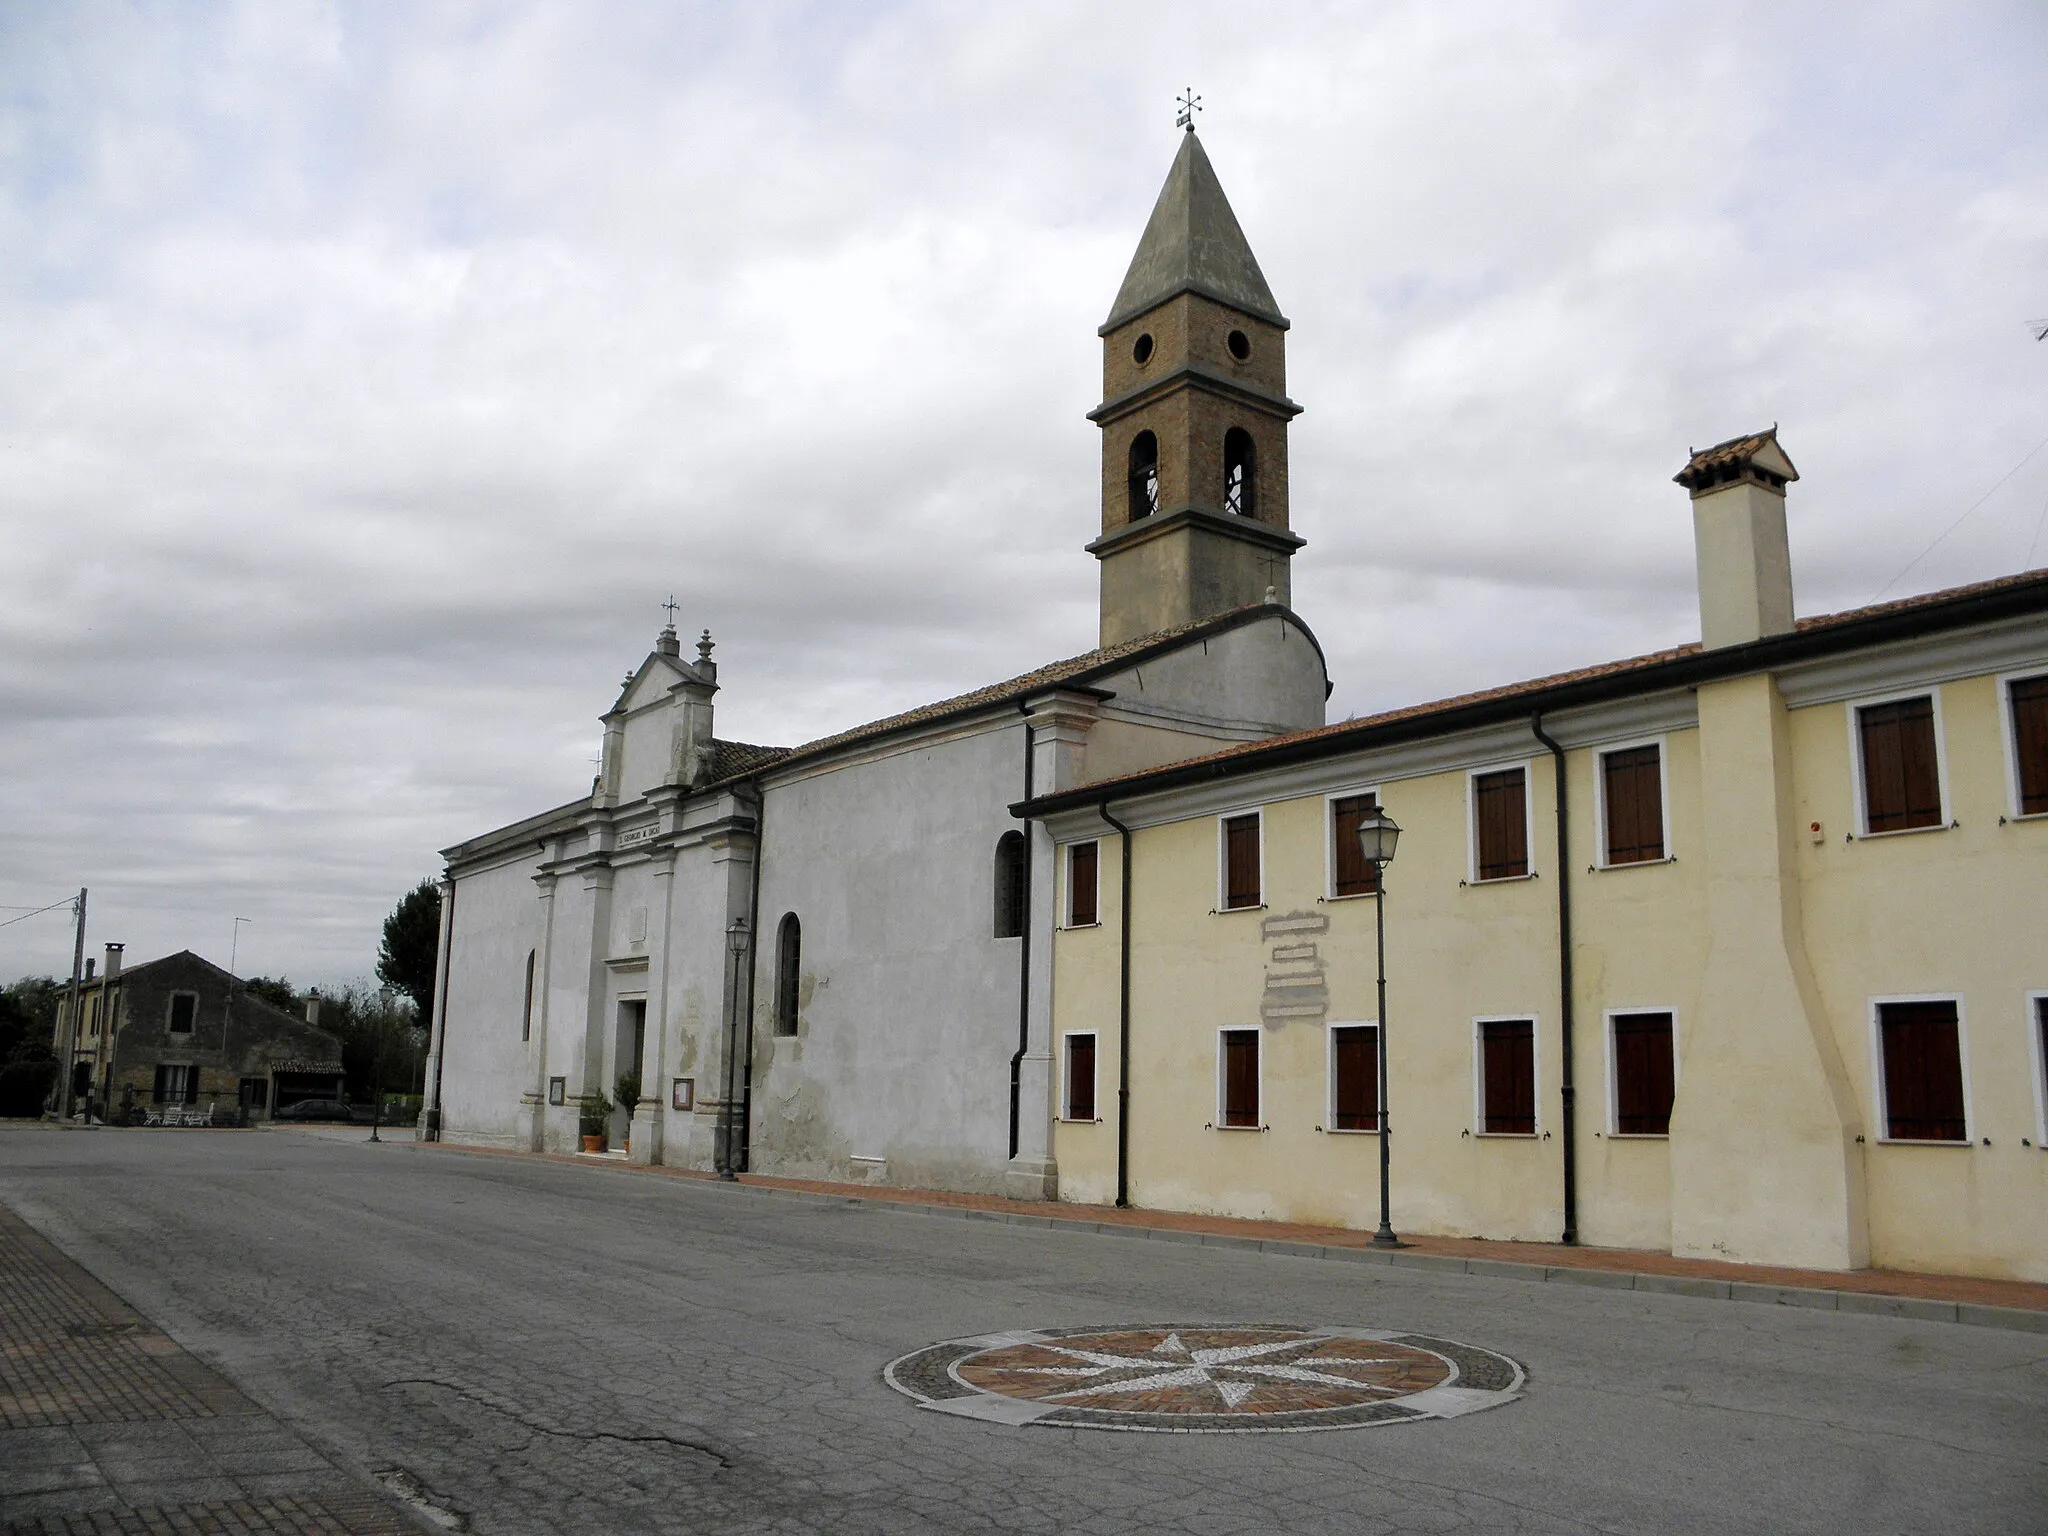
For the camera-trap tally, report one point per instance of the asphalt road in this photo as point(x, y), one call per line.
point(540, 1347)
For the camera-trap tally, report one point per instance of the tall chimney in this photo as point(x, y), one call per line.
point(312, 1002)
point(113, 965)
point(1738, 533)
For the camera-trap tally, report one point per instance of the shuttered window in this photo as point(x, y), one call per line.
point(1507, 1049)
point(526, 1010)
point(2030, 743)
point(1923, 1071)
point(1240, 861)
point(184, 1006)
point(1501, 824)
point(1354, 875)
point(1240, 1068)
point(1009, 886)
point(1901, 788)
point(1354, 1078)
point(1632, 783)
point(1082, 885)
point(162, 1085)
point(1643, 1075)
point(1080, 1077)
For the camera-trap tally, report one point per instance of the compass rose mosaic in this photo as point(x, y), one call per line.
point(1243, 1378)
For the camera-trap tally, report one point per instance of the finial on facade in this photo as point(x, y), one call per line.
point(704, 647)
point(671, 606)
point(1272, 594)
point(1188, 104)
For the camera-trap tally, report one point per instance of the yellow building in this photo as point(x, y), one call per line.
point(1764, 977)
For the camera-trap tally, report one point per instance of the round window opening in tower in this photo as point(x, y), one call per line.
point(1141, 349)
point(1240, 345)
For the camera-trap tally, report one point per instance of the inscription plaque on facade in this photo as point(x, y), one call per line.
point(558, 1090)
point(684, 1095)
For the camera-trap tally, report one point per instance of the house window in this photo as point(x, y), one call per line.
point(1080, 1087)
point(1238, 1073)
point(1009, 893)
point(1644, 1077)
point(788, 960)
point(1632, 798)
point(1239, 481)
point(1507, 1077)
point(1923, 1071)
point(1500, 824)
point(1354, 1077)
point(184, 1008)
point(1082, 885)
point(255, 1092)
point(176, 1085)
point(526, 1014)
point(1241, 861)
point(2029, 696)
point(1144, 476)
point(1351, 874)
point(1901, 783)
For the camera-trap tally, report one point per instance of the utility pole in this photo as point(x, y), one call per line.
point(71, 1020)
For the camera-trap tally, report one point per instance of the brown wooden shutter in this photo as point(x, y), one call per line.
point(1241, 1077)
point(1081, 885)
point(1634, 804)
point(192, 1084)
point(156, 1094)
point(1503, 825)
point(1901, 786)
point(1355, 876)
point(1509, 1076)
point(1241, 861)
point(1923, 1071)
point(2030, 743)
point(1357, 1069)
point(1080, 1077)
point(1643, 1076)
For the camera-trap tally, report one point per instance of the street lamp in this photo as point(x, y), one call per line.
point(1377, 835)
point(737, 938)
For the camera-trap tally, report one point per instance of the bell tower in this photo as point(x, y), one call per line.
point(1194, 419)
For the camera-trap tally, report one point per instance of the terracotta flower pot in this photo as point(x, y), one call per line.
point(593, 1143)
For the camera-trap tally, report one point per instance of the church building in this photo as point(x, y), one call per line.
point(832, 960)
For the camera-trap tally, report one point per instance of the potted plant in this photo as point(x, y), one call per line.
point(628, 1088)
point(593, 1114)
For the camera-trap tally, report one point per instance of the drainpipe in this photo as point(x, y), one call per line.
point(1123, 1011)
point(1568, 1089)
point(1024, 950)
point(753, 970)
point(439, 1036)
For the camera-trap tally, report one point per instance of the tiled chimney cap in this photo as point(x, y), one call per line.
point(1756, 458)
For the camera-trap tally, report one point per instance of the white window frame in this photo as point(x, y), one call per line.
point(1067, 1116)
point(1222, 1072)
point(1472, 777)
point(1881, 1126)
point(1607, 1019)
point(1330, 1076)
point(1223, 861)
point(1860, 812)
point(1535, 1022)
point(2011, 741)
point(1067, 881)
point(171, 1010)
point(1600, 860)
point(1330, 839)
point(2037, 1003)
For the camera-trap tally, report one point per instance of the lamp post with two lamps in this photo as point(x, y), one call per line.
point(1377, 834)
point(737, 938)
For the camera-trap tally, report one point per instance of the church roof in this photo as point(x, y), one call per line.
point(1192, 244)
point(737, 759)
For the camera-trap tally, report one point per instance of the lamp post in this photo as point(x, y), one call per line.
point(737, 937)
point(1377, 835)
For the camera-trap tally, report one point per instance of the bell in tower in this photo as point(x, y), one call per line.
point(1194, 419)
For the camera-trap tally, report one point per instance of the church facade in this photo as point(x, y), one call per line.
point(820, 961)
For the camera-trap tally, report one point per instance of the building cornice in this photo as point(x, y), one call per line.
point(1246, 530)
point(1188, 376)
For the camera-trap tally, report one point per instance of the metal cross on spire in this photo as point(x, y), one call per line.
point(671, 606)
point(1188, 104)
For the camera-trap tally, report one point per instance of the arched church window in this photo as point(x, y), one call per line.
point(789, 945)
point(1009, 904)
point(1144, 480)
point(1239, 472)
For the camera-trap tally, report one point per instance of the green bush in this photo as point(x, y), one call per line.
point(24, 1085)
point(594, 1112)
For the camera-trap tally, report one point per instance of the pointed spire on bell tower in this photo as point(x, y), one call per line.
point(1194, 417)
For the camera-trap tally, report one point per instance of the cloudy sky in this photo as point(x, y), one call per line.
point(370, 373)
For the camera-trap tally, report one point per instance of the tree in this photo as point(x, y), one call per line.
point(275, 991)
point(412, 946)
point(383, 1047)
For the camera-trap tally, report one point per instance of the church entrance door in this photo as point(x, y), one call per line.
point(627, 1052)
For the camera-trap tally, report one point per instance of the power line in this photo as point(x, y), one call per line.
point(68, 901)
point(1952, 527)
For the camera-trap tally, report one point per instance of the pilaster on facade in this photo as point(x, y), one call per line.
point(1060, 721)
point(648, 1120)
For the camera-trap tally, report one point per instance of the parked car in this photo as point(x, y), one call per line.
point(316, 1109)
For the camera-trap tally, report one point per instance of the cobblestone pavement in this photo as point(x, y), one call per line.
point(532, 1346)
point(106, 1425)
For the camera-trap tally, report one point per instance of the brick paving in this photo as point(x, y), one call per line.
point(98, 1406)
point(1951, 1290)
